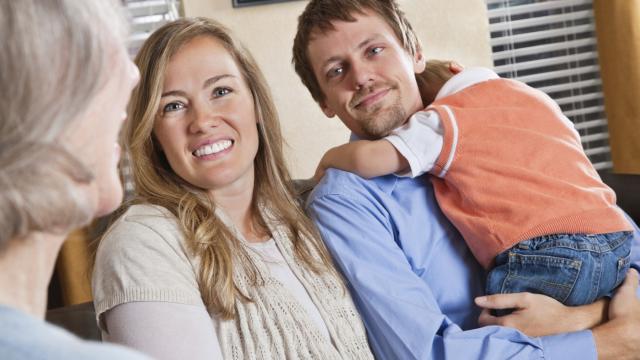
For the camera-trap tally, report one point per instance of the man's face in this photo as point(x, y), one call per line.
point(366, 75)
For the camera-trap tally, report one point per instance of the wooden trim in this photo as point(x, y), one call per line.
point(618, 32)
point(73, 269)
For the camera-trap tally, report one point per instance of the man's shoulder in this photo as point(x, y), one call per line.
point(342, 183)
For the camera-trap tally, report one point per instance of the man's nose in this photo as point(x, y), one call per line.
point(362, 75)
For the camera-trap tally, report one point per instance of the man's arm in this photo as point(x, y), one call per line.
point(402, 315)
point(635, 246)
point(619, 338)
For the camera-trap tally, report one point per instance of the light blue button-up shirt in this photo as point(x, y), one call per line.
point(413, 278)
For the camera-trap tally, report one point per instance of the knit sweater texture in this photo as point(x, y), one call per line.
point(511, 169)
point(145, 257)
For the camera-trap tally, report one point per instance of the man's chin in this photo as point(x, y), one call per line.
point(382, 128)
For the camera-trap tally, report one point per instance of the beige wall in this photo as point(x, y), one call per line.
point(453, 29)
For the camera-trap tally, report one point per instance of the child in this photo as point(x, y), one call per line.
point(511, 175)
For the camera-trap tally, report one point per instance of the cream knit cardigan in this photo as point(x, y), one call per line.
point(275, 326)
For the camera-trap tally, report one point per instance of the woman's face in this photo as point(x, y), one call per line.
point(206, 122)
point(94, 138)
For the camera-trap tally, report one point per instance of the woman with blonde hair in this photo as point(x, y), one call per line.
point(215, 257)
point(66, 79)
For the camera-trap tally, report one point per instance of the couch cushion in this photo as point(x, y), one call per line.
point(79, 319)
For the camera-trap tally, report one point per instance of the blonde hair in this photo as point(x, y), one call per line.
point(53, 63)
point(318, 16)
point(155, 182)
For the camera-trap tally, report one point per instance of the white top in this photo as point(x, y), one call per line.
point(279, 269)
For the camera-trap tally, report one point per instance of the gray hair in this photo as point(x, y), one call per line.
point(53, 64)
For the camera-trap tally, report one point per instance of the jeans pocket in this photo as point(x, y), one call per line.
point(551, 275)
point(623, 267)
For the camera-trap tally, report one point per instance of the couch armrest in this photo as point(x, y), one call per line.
point(627, 188)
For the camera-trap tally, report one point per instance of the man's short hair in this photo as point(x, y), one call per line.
point(319, 14)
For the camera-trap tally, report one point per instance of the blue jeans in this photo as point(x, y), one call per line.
point(575, 269)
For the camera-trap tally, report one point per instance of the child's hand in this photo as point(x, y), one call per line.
point(455, 67)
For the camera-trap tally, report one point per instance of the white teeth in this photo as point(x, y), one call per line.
point(213, 148)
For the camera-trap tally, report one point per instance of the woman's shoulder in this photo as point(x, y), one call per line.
point(147, 213)
point(146, 216)
point(143, 226)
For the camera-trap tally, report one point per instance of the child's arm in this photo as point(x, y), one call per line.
point(366, 158)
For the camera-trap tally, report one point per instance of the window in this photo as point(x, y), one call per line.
point(147, 16)
point(551, 45)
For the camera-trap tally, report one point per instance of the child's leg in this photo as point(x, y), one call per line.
point(572, 268)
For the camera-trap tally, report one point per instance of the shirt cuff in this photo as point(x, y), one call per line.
point(575, 345)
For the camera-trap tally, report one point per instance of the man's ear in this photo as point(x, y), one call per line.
point(419, 62)
point(328, 112)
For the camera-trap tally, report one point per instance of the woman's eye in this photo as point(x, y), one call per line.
point(221, 91)
point(174, 106)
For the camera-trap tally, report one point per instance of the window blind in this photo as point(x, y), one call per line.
point(551, 45)
point(146, 16)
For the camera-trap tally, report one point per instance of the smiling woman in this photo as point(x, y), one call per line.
point(206, 122)
point(216, 250)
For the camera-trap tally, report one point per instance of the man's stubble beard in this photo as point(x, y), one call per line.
point(381, 122)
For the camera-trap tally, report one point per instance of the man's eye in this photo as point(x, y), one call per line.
point(174, 106)
point(221, 91)
point(335, 72)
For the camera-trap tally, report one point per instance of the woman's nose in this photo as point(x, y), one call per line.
point(203, 119)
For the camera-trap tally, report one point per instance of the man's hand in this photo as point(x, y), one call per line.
point(619, 338)
point(540, 315)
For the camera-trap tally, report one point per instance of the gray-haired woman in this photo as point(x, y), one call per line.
point(66, 80)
